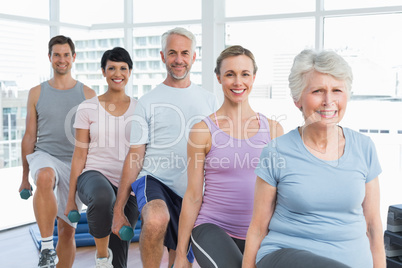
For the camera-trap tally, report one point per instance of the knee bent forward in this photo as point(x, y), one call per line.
point(65, 230)
point(45, 178)
point(155, 223)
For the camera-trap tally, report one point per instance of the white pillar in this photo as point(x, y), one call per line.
point(128, 39)
point(213, 42)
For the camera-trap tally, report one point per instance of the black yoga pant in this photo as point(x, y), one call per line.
point(296, 258)
point(213, 247)
point(99, 195)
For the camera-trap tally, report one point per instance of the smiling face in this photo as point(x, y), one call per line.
point(324, 99)
point(117, 74)
point(178, 56)
point(237, 78)
point(61, 59)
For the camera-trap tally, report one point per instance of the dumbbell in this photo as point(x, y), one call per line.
point(74, 216)
point(26, 193)
point(126, 233)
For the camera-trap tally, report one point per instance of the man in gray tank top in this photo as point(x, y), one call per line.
point(47, 148)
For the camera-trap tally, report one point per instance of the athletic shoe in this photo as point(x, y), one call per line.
point(48, 259)
point(104, 262)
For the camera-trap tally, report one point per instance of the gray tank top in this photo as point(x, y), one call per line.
point(55, 113)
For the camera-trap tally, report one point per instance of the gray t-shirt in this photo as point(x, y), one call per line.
point(162, 120)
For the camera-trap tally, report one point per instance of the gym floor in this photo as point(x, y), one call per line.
point(17, 250)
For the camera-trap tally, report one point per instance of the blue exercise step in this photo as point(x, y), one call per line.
point(82, 236)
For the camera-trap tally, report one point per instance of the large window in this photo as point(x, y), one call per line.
point(162, 11)
point(91, 12)
point(346, 4)
point(237, 8)
point(23, 64)
point(365, 32)
point(370, 45)
point(26, 8)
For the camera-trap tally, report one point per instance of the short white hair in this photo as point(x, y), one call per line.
point(326, 62)
point(180, 31)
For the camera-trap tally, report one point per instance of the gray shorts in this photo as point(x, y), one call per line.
point(38, 160)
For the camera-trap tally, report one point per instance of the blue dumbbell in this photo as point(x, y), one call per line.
point(126, 233)
point(26, 193)
point(74, 216)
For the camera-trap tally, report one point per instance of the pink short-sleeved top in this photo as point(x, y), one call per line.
point(109, 137)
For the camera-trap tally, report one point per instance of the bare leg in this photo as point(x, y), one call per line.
point(66, 245)
point(45, 208)
point(172, 257)
point(102, 247)
point(44, 201)
point(155, 218)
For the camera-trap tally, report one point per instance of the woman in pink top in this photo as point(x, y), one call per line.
point(103, 126)
point(223, 151)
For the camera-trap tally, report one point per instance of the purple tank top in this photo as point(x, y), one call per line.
point(230, 179)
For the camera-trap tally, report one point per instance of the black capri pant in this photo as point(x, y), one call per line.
point(213, 247)
point(99, 195)
point(296, 258)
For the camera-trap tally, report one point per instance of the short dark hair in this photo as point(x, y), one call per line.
point(61, 40)
point(117, 54)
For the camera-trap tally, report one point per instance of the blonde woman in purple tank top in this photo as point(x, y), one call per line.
point(223, 151)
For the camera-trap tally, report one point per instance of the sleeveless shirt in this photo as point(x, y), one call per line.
point(230, 179)
point(55, 114)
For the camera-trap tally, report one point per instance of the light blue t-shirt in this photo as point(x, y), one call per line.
point(319, 203)
point(163, 119)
